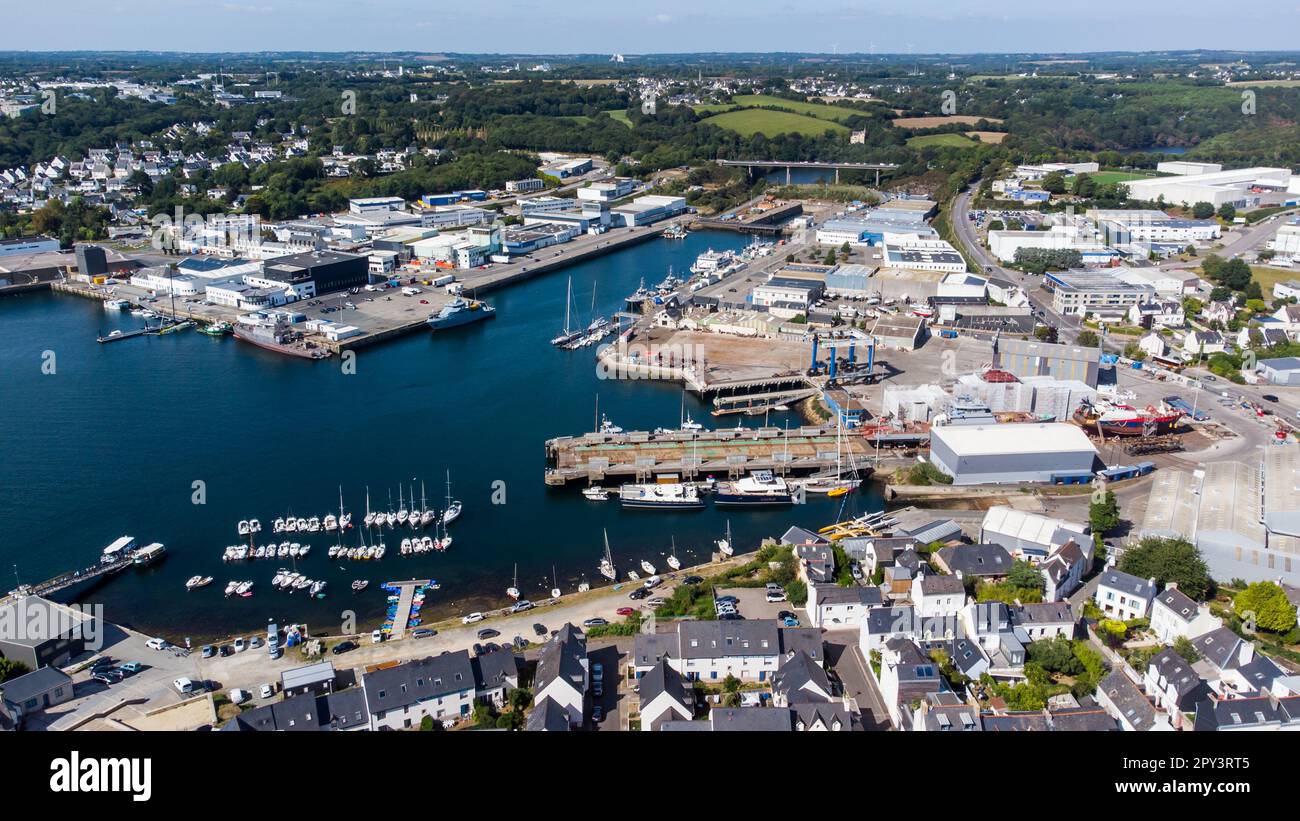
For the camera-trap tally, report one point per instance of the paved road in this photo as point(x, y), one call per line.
point(843, 653)
point(990, 265)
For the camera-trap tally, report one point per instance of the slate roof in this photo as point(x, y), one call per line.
point(1082, 719)
point(865, 596)
point(1126, 583)
point(1188, 687)
point(751, 719)
point(500, 668)
point(935, 585)
point(1128, 700)
point(1261, 712)
point(797, 675)
point(660, 679)
point(1219, 647)
point(1179, 603)
point(562, 657)
point(976, 559)
point(1042, 613)
point(38, 682)
point(1014, 722)
point(431, 677)
point(548, 716)
point(832, 716)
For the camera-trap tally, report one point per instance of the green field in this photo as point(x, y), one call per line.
point(952, 140)
point(750, 121)
point(621, 116)
point(1268, 276)
point(818, 110)
point(1110, 177)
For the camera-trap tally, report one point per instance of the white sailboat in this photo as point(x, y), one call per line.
point(673, 561)
point(555, 590)
point(567, 334)
point(427, 516)
point(513, 590)
point(607, 562)
point(369, 519)
point(402, 512)
point(647, 567)
point(725, 547)
point(453, 506)
point(836, 485)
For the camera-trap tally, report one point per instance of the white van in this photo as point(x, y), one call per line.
point(184, 686)
point(376, 637)
point(156, 644)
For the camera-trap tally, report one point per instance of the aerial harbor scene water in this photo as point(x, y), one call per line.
point(271, 437)
point(851, 390)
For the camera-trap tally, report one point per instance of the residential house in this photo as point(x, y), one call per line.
point(906, 675)
point(1175, 686)
point(1122, 596)
point(341, 711)
point(749, 649)
point(885, 623)
point(1174, 614)
point(799, 681)
point(816, 563)
point(1264, 712)
point(440, 687)
point(548, 715)
point(876, 552)
point(1221, 650)
point(664, 696)
point(1064, 569)
point(945, 712)
point(1120, 697)
point(832, 607)
point(562, 672)
point(1046, 620)
point(935, 595)
point(1203, 343)
point(981, 561)
point(495, 675)
point(989, 624)
point(33, 692)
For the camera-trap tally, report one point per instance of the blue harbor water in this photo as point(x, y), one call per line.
point(114, 440)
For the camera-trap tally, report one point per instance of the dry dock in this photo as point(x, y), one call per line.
point(641, 456)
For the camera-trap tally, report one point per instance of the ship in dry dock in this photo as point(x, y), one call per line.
point(279, 337)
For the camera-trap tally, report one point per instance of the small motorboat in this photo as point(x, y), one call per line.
point(242, 527)
point(254, 526)
point(647, 567)
point(231, 588)
point(596, 493)
point(359, 585)
point(195, 582)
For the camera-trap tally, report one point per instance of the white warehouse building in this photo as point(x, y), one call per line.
point(1012, 453)
point(1216, 188)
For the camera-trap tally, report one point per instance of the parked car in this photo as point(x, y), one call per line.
point(597, 713)
point(227, 650)
point(727, 600)
point(424, 633)
point(255, 642)
point(657, 601)
point(266, 691)
point(775, 595)
point(539, 629)
point(238, 696)
point(521, 605)
point(639, 593)
point(1268, 397)
point(105, 677)
point(185, 686)
point(652, 582)
point(477, 649)
point(596, 622)
point(376, 636)
point(471, 618)
point(693, 580)
point(240, 645)
point(789, 621)
point(157, 644)
point(130, 667)
point(625, 611)
point(786, 614)
point(488, 633)
point(343, 647)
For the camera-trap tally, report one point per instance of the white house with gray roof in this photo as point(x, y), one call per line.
point(441, 687)
point(934, 595)
point(1122, 596)
point(832, 607)
point(749, 649)
point(562, 672)
point(1174, 614)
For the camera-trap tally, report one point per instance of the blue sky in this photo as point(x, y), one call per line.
point(658, 26)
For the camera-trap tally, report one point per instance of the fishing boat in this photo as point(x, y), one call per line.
point(116, 304)
point(607, 562)
point(725, 546)
point(596, 493)
point(674, 562)
point(195, 582)
point(359, 584)
point(460, 312)
point(762, 488)
point(636, 300)
point(453, 509)
point(513, 590)
point(712, 262)
point(666, 496)
point(217, 329)
point(607, 426)
point(1117, 419)
point(281, 338)
point(647, 567)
